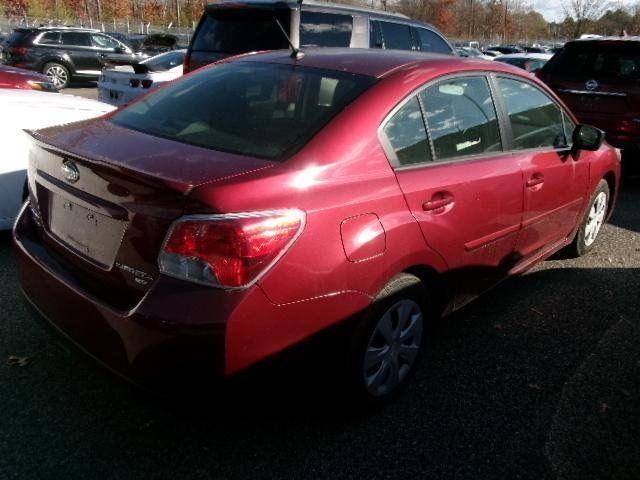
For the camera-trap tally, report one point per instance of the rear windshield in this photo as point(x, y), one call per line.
point(242, 31)
point(18, 36)
point(256, 109)
point(597, 60)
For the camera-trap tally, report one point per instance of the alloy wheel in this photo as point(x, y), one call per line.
point(393, 347)
point(57, 75)
point(596, 218)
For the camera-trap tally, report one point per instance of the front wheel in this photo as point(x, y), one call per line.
point(58, 74)
point(592, 222)
point(387, 343)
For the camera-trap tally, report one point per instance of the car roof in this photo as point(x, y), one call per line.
point(381, 14)
point(372, 62)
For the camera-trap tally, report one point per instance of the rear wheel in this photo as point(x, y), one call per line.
point(387, 342)
point(592, 222)
point(58, 74)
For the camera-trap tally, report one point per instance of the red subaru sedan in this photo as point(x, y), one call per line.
point(11, 77)
point(259, 201)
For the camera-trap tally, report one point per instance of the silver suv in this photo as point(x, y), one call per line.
point(231, 28)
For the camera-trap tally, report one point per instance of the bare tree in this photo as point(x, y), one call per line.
point(584, 11)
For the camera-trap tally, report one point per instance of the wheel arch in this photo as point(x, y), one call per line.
point(610, 178)
point(58, 59)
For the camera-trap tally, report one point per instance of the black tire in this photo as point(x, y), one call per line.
point(403, 289)
point(58, 73)
point(580, 246)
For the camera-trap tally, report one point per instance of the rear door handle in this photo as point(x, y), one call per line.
point(438, 200)
point(535, 179)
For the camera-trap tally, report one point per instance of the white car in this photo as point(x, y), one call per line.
point(30, 109)
point(119, 85)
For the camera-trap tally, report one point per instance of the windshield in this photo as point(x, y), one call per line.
point(256, 109)
point(241, 31)
point(165, 61)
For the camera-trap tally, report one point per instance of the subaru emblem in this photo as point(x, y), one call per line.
point(591, 85)
point(71, 172)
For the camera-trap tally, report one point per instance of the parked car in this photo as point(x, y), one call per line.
point(530, 62)
point(598, 80)
point(31, 109)
point(506, 49)
point(63, 54)
point(469, 52)
point(491, 53)
point(231, 28)
point(252, 204)
point(18, 78)
point(121, 84)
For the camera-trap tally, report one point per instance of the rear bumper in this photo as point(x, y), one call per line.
point(118, 95)
point(156, 339)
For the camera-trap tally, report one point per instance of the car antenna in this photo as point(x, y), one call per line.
point(296, 54)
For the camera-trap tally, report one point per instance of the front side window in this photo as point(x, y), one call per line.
point(249, 108)
point(325, 29)
point(429, 41)
point(396, 36)
point(75, 39)
point(406, 134)
point(461, 118)
point(536, 120)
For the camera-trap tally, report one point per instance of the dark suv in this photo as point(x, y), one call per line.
point(231, 28)
point(600, 81)
point(63, 54)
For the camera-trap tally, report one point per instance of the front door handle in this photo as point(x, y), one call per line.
point(438, 200)
point(535, 179)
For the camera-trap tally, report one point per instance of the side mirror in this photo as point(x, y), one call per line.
point(119, 50)
point(586, 137)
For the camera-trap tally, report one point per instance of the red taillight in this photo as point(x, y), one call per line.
point(228, 250)
point(146, 83)
point(18, 50)
point(186, 62)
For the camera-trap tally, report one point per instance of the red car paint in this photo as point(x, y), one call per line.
point(461, 226)
point(600, 91)
point(11, 77)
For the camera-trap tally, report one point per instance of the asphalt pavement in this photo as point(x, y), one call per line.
point(538, 379)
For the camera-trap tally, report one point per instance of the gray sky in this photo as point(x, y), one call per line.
point(552, 9)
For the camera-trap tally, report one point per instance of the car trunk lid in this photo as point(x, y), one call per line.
point(105, 197)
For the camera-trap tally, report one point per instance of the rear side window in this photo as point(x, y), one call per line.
point(536, 120)
point(325, 29)
point(461, 118)
point(396, 36)
point(407, 136)
point(50, 38)
point(249, 108)
point(599, 61)
point(241, 30)
point(76, 39)
point(429, 41)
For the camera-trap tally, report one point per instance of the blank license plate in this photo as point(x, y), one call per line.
point(93, 234)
